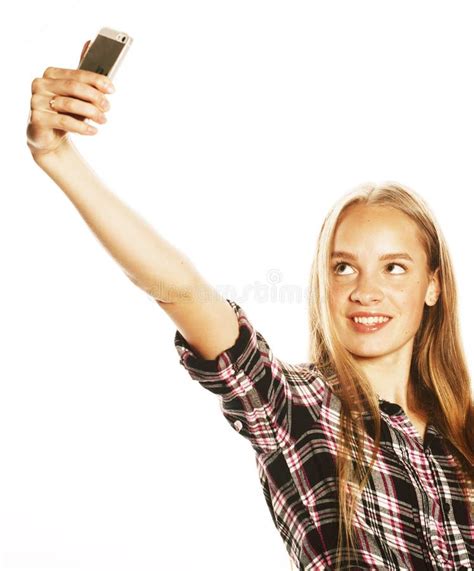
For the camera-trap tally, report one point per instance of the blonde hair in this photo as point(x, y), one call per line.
point(438, 365)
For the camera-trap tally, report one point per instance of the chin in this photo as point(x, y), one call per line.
point(365, 350)
point(367, 354)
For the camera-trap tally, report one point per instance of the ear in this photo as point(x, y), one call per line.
point(434, 289)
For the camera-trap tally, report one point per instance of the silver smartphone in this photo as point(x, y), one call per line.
point(106, 52)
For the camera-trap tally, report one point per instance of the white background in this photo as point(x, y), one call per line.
point(233, 129)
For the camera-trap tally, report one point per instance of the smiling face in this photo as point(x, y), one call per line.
point(396, 286)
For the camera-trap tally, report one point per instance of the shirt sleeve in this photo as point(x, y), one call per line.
point(249, 381)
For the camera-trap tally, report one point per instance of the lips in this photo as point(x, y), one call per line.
point(368, 314)
point(369, 327)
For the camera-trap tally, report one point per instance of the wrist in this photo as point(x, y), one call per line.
point(46, 159)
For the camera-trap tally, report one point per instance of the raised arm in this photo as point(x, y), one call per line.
point(201, 314)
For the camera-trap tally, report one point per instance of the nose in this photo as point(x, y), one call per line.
point(366, 290)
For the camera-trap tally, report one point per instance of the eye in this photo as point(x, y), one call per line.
point(399, 265)
point(335, 267)
point(337, 264)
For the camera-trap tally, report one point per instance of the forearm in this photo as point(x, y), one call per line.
point(151, 262)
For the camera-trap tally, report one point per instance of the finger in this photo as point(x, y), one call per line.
point(74, 107)
point(72, 89)
point(85, 49)
point(96, 80)
point(60, 121)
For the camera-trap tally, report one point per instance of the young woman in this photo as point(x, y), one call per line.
point(365, 453)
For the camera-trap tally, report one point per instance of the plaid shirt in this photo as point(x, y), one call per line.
point(412, 514)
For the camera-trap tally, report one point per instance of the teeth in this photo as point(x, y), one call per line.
point(370, 320)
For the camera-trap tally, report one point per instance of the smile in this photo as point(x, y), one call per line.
point(364, 325)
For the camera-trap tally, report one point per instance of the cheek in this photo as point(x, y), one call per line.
point(410, 302)
point(338, 290)
point(335, 298)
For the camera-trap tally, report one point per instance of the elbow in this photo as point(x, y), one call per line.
point(196, 288)
point(165, 292)
point(177, 284)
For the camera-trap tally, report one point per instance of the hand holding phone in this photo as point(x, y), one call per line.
point(59, 105)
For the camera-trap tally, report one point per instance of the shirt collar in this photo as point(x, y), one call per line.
point(389, 408)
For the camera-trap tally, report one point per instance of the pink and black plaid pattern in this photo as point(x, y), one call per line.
point(412, 514)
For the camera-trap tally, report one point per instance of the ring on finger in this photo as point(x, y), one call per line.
point(52, 101)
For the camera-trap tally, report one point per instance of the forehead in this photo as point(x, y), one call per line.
point(381, 228)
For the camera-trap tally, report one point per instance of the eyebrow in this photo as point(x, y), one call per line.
point(389, 256)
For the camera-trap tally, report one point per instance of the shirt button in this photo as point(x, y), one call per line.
point(238, 425)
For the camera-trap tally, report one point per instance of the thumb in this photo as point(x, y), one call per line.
point(84, 50)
